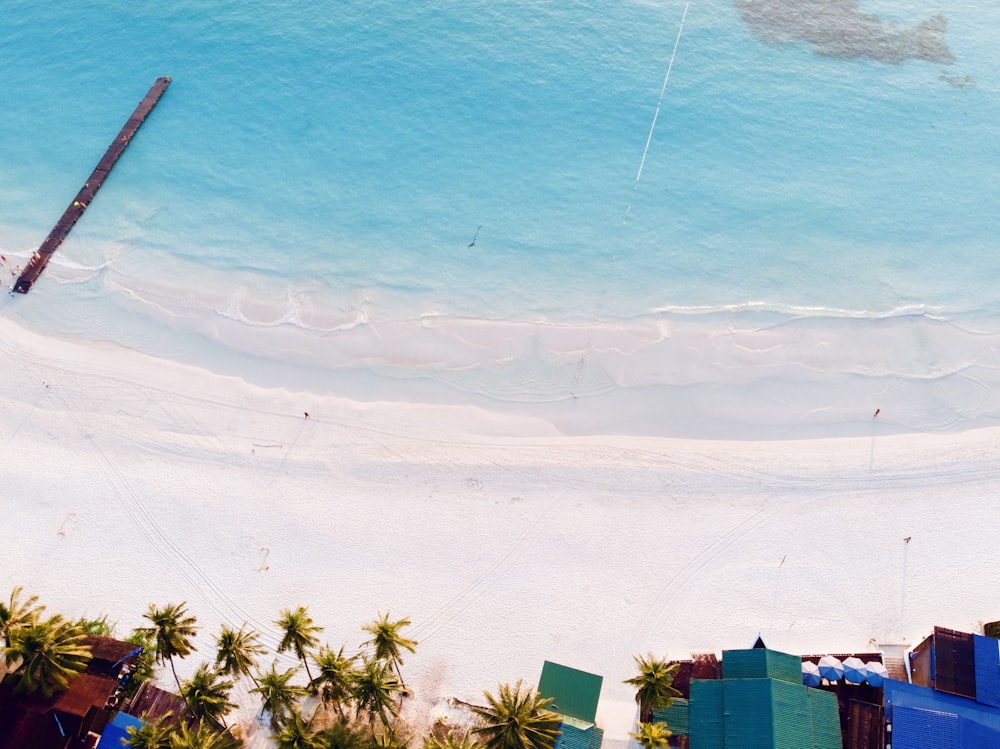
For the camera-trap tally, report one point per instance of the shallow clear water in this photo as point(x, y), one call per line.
point(300, 206)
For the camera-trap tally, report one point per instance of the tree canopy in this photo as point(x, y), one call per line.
point(517, 719)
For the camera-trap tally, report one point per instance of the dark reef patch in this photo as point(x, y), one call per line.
point(838, 28)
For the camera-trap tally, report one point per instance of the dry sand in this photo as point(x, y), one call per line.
point(130, 480)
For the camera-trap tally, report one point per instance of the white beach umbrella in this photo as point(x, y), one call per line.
point(855, 670)
point(877, 673)
point(810, 674)
point(831, 668)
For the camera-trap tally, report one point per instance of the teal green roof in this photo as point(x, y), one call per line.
point(826, 719)
point(675, 716)
point(707, 708)
point(761, 663)
point(575, 692)
point(571, 736)
point(758, 705)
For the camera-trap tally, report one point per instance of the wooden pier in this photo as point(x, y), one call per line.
point(72, 214)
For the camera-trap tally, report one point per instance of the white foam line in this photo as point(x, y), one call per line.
point(663, 90)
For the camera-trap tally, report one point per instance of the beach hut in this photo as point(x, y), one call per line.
point(761, 702)
point(575, 694)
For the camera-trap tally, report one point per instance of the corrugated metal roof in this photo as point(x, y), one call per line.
point(954, 667)
point(972, 735)
point(900, 694)
point(914, 728)
point(107, 648)
point(760, 663)
point(151, 703)
point(706, 713)
point(572, 736)
point(987, 656)
point(749, 717)
point(762, 713)
point(576, 692)
point(116, 731)
point(86, 691)
point(676, 717)
point(825, 719)
point(33, 731)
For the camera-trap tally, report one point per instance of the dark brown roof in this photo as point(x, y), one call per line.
point(151, 703)
point(700, 666)
point(33, 731)
point(108, 648)
point(85, 691)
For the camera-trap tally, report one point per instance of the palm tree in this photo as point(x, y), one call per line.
point(207, 695)
point(653, 735)
point(278, 694)
point(341, 735)
point(374, 691)
point(388, 740)
point(152, 735)
point(451, 741)
point(16, 613)
point(237, 651)
point(335, 677)
point(173, 628)
point(203, 736)
point(653, 685)
point(295, 734)
point(517, 719)
point(388, 642)
point(51, 654)
point(98, 626)
point(300, 634)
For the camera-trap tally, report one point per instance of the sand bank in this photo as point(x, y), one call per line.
point(131, 480)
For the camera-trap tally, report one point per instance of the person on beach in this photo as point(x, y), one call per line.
point(307, 414)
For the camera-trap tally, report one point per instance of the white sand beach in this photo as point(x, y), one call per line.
point(131, 480)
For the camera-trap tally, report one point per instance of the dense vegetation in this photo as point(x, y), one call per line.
point(338, 699)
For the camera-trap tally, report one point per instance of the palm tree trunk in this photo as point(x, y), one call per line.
point(174, 669)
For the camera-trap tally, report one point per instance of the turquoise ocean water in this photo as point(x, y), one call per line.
point(814, 231)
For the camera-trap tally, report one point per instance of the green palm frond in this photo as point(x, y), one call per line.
point(51, 654)
point(653, 684)
point(653, 735)
point(207, 695)
point(299, 634)
point(517, 719)
point(374, 689)
point(335, 678)
point(16, 612)
point(237, 651)
point(278, 695)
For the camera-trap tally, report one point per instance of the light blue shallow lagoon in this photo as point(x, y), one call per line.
point(443, 201)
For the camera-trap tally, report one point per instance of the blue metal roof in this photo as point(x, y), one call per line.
point(117, 730)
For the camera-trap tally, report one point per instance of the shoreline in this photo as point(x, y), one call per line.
point(748, 373)
point(506, 542)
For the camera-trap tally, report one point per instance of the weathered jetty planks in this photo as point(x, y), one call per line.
point(72, 214)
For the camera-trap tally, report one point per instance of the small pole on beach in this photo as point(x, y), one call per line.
point(902, 600)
